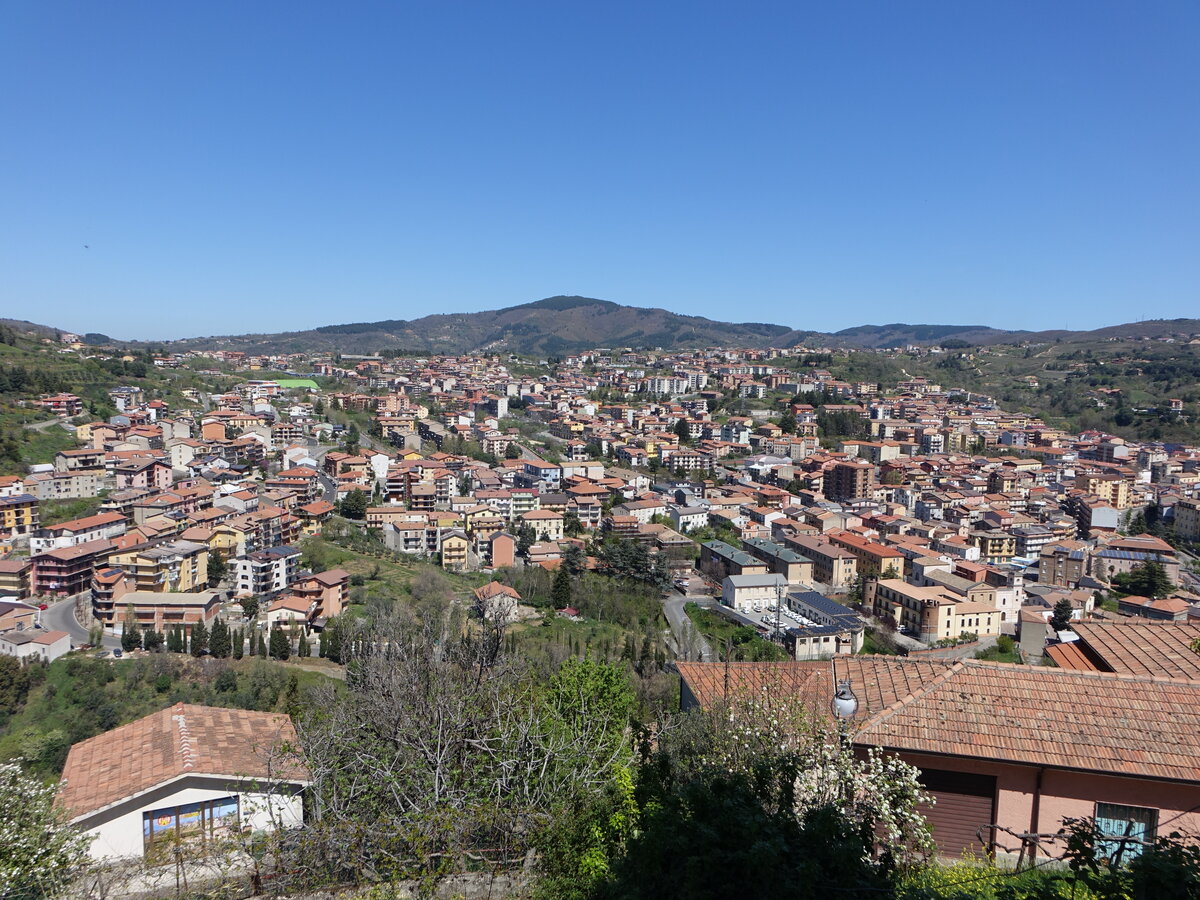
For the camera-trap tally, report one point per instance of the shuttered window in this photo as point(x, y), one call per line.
point(1124, 827)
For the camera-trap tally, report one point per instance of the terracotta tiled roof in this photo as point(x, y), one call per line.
point(1071, 656)
point(1094, 721)
point(1119, 724)
point(1143, 648)
point(877, 681)
point(179, 740)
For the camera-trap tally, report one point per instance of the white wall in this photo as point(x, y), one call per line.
point(117, 833)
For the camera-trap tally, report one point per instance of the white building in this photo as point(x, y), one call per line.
point(267, 571)
point(186, 773)
point(36, 644)
point(744, 592)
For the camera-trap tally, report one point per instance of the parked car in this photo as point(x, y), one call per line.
point(43, 606)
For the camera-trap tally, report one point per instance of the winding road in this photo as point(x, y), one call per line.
point(60, 616)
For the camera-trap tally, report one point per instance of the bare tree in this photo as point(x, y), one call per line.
point(443, 749)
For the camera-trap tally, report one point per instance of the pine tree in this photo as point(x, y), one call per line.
point(199, 640)
point(279, 644)
point(220, 644)
point(1061, 619)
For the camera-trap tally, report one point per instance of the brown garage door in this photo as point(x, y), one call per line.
point(964, 802)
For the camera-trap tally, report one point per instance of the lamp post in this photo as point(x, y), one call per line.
point(844, 703)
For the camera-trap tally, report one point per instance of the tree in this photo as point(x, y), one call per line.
point(280, 648)
point(1060, 620)
point(303, 648)
point(131, 634)
point(152, 640)
point(572, 524)
point(174, 642)
point(404, 789)
point(560, 591)
point(777, 777)
point(41, 851)
point(218, 568)
point(512, 451)
point(1146, 580)
point(262, 645)
point(787, 422)
point(238, 641)
point(574, 559)
point(199, 640)
point(355, 505)
point(220, 644)
point(683, 432)
point(525, 538)
point(250, 607)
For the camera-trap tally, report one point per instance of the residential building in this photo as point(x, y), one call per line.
point(267, 571)
point(1119, 759)
point(201, 773)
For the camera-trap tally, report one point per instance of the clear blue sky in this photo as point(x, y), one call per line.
point(258, 166)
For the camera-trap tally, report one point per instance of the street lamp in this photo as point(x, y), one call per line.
point(844, 703)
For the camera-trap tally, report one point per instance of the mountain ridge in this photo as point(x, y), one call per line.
point(567, 324)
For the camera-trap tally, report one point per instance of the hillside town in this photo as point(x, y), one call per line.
point(802, 532)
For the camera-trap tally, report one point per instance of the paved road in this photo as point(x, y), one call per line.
point(526, 453)
point(688, 640)
point(60, 616)
point(43, 426)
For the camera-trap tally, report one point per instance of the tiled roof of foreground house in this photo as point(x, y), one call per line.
point(1098, 721)
point(180, 740)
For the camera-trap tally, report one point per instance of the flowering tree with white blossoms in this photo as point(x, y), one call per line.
point(878, 793)
point(39, 851)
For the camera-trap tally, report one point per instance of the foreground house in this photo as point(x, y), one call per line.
point(184, 774)
point(1005, 750)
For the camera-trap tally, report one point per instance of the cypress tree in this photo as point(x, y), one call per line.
point(199, 639)
point(219, 643)
point(560, 591)
point(279, 644)
point(262, 645)
point(238, 641)
point(131, 635)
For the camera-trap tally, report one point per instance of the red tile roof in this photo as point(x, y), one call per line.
point(1094, 721)
point(1142, 648)
point(179, 740)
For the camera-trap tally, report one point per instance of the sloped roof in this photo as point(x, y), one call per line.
point(877, 681)
point(1096, 721)
point(179, 740)
point(1113, 723)
point(1143, 648)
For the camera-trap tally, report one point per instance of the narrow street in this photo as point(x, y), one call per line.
point(690, 644)
point(60, 616)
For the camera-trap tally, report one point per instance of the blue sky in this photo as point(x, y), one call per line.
point(257, 166)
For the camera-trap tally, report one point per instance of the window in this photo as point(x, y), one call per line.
point(1124, 827)
point(208, 819)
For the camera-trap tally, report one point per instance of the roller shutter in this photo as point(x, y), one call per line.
point(964, 802)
